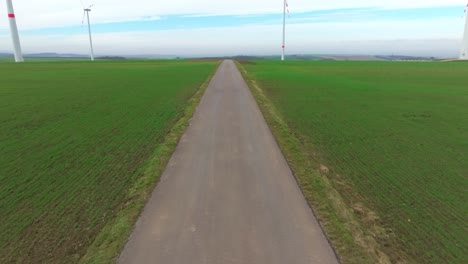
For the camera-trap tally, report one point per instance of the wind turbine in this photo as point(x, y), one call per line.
point(284, 29)
point(86, 12)
point(285, 9)
point(14, 32)
point(464, 50)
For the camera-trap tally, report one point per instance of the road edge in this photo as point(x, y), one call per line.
point(343, 230)
point(110, 241)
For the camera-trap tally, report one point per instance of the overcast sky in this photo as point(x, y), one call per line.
point(232, 27)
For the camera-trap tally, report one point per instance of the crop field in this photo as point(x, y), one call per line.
point(396, 133)
point(74, 138)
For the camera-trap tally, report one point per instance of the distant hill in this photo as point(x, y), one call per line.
point(85, 56)
point(321, 57)
point(406, 58)
point(330, 57)
point(47, 55)
point(55, 55)
point(111, 58)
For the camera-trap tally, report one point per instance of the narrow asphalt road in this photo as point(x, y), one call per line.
point(227, 194)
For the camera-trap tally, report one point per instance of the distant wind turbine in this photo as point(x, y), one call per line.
point(285, 9)
point(14, 32)
point(284, 29)
point(86, 12)
point(464, 50)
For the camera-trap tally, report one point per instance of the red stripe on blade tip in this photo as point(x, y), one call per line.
point(11, 15)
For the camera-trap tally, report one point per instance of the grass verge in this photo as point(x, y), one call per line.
point(111, 240)
point(353, 241)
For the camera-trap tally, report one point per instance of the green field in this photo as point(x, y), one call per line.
point(394, 136)
point(75, 138)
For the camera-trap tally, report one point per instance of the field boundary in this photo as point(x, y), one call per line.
point(353, 241)
point(109, 243)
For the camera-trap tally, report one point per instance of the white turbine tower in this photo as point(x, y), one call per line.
point(284, 29)
point(14, 32)
point(86, 12)
point(464, 50)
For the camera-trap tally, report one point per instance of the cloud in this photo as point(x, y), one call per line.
point(369, 27)
point(313, 38)
point(150, 18)
point(58, 13)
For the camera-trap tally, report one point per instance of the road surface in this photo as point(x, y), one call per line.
point(227, 194)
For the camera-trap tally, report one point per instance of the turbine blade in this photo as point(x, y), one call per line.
point(82, 19)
